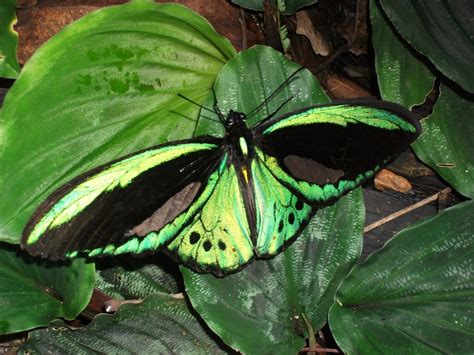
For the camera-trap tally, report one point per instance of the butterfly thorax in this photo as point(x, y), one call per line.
point(238, 138)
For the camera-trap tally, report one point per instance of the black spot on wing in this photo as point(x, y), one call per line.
point(291, 218)
point(222, 245)
point(299, 204)
point(194, 237)
point(207, 245)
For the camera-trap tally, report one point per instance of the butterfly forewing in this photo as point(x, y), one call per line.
point(321, 153)
point(130, 205)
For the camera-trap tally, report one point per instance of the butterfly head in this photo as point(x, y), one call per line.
point(235, 123)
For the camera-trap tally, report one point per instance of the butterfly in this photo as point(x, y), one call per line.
point(215, 204)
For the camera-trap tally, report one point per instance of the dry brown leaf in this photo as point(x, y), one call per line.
point(341, 88)
point(387, 180)
point(305, 27)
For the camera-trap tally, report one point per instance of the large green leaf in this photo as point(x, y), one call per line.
point(162, 324)
point(446, 142)
point(289, 7)
point(261, 306)
point(126, 277)
point(401, 76)
point(103, 87)
point(250, 78)
point(441, 30)
point(33, 294)
point(414, 296)
point(9, 66)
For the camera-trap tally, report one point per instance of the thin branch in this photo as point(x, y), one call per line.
point(406, 210)
point(243, 26)
point(320, 350)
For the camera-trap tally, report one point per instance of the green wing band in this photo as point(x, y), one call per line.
point(116, 176)
point(343, 115)
point(154, 240)
point(311, 191)
point(280, 213)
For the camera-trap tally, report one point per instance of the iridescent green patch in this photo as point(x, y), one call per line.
point(342, 115)
point(116, 176)
point(280, 213)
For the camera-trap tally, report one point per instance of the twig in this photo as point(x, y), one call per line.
point(343, 48)
point(243, 26)
point(321, 350)
point(113, 305)
point(406, 210)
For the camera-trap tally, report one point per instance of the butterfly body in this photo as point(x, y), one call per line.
point(216, 203)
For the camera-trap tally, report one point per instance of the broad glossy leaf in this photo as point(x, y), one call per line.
point(32, 294)
point(446, 142)
point(261, 306)
point(161, 324)
point(9, 66)
point(414, 296)
point(250, 78)
point(402, 77)
point(440, 30)
point(103, 87)
point(289, 6)
point(133, 278)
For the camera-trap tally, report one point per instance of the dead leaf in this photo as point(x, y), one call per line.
point(305, 27)
point(341, 88)
point(387, 180)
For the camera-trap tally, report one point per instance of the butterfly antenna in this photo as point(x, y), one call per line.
point(217, 109)
point(195, 103)
point(276, 111)
point(276, 92)
point(202, 107)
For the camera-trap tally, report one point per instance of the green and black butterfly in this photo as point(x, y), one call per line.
point(216, 203)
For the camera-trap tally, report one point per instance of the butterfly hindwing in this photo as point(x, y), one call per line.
point(218, 237)
point(322, 153)
point(280, 214)
point(134, 204)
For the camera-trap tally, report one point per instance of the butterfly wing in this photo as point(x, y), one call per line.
point(319, 154)
point(139, 203)
point(280, 213)
point(218, 237)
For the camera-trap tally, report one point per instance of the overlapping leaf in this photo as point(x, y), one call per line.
point(133, 278)
point(9, 66)
point(446, 142)
point(250, 78)
point(289, 7)
point(414, 296)
point(401, 76)
point(32, 293)
point(441, 30)
point(162, 324)
point(103, 87)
